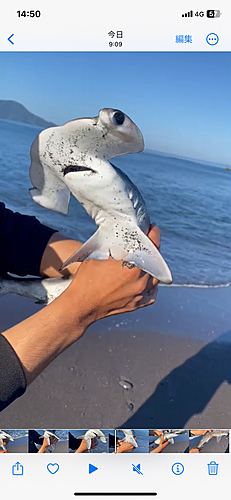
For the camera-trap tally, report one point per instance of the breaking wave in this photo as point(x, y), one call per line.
point(196, 285)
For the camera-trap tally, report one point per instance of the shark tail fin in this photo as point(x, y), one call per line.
point(145, 255)
point(148, 258)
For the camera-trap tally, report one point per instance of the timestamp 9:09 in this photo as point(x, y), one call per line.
point(115, 44)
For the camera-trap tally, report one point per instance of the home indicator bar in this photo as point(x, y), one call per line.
point(116, 494)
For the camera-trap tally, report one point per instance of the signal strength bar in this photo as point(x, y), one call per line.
point(188, 14)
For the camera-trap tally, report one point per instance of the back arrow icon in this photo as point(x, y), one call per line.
point(10, 39)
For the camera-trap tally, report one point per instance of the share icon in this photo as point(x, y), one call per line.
point(137, 468)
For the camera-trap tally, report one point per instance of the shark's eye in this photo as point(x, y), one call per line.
point(118, 118)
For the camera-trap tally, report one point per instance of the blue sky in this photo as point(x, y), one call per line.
point(180, 101)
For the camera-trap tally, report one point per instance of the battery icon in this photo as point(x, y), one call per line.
point(213, 13)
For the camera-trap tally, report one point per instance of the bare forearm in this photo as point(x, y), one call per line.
point(160, 448)
point(58, 249)
point(98, 290)
point(42, 337)
point(43, 448)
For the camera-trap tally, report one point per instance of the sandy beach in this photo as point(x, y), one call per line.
point(176, 354)
point(19, 445)
point(211, 446)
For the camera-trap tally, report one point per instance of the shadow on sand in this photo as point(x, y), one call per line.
point(187, 389)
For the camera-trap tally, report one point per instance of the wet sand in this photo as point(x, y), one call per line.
point(180, 445)
point(19, 445)
point(211, 446)
point(176, 354)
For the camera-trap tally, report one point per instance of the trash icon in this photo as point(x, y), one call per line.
point(213, 468)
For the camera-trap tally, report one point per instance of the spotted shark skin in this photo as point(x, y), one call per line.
point(170, 435)
point(218, 433)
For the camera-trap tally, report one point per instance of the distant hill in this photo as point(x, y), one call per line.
point(14, 111)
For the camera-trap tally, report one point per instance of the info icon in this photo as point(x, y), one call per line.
point(177, 468)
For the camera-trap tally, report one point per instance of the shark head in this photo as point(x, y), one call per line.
point(79, 148)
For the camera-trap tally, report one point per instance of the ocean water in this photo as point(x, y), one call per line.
point(188, 200)
point(17, 433)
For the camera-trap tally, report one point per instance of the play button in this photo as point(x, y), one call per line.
point(92, 468)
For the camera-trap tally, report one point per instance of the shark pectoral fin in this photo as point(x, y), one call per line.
point(94, 248)
point(171, 441)
point(218, 439)
point(149, 259)
point(49, 191)
point(88, 444)
point(133, 442)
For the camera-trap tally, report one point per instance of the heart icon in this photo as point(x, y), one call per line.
point(53, 468)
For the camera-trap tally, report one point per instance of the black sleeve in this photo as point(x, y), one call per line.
point(74, 443)
point(22, 242)
point(12, 377)
point(34, 437)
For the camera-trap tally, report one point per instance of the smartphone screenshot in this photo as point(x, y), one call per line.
point(115, 269)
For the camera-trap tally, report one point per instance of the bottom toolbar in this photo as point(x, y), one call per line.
point(66, 476)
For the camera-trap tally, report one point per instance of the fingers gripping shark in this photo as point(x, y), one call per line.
point(73, 159)
point(48, 435)
point(219, 433)
point(92, 434)
point(129, 437)
point(169, 435)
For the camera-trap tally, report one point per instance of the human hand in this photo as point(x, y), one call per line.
point(125, 447)
point(83, 446)
point(194, 450)
point(108, 288)
point(5, 442)
point(199, 432)
point(163, 443)
point(46, 445)
point(98, 289)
